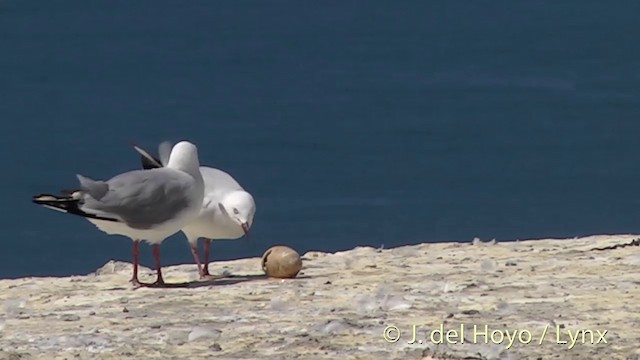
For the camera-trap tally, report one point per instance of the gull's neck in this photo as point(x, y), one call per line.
point(184, 156)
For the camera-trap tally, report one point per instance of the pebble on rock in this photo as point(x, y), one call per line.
point(200, 332)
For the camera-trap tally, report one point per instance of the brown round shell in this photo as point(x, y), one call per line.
point(281, 262)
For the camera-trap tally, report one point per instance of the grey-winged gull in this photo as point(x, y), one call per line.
point(144, 205)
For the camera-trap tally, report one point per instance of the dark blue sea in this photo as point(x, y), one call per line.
point(378, 123)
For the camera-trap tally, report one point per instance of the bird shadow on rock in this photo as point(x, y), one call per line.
point(214, 281)
point(222, 281)
point(235, 279)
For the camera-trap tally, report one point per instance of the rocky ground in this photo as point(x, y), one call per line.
point(530, 298)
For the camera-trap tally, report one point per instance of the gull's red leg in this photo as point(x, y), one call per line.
point(207, 246)
point(156, 256)
point(196, 257)
point(134, 279)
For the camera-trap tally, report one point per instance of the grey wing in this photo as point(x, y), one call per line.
point(218, 182)
point(144, 198)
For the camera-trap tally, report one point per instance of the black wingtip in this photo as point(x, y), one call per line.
point(67, 205)
point(149, 164)
point(148, 161)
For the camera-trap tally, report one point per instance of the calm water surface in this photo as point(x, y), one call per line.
point(352, 123)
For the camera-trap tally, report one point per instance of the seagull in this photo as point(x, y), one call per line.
point(144, 205)
point(227, 209)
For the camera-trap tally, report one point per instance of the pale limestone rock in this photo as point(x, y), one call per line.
point(340, 306)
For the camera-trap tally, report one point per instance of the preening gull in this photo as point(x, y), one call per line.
point(227, 209)
point(143, 205)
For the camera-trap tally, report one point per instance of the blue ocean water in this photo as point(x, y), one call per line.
point(352, 122)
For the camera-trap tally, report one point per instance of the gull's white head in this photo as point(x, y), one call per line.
point(184, 156)
point(240, 207)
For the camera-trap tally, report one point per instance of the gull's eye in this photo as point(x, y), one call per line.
point(235, 211)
